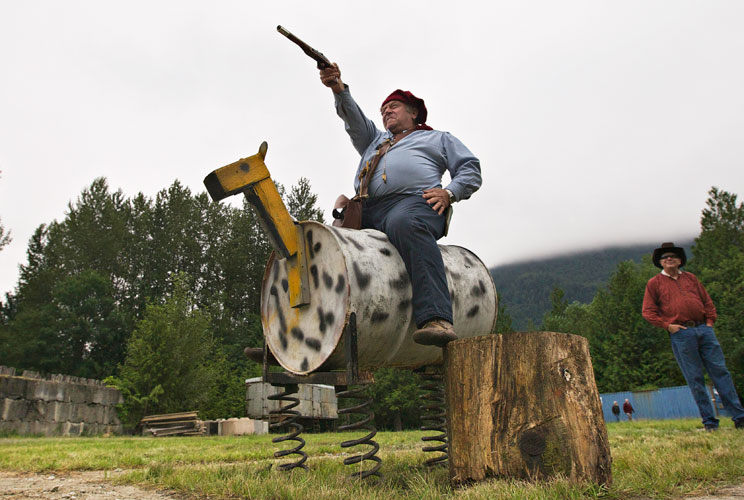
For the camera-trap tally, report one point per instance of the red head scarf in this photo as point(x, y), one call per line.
point(406, 97)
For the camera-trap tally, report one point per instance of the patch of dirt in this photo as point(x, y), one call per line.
point(87, 485)
point(96, 485)
point(730, 493)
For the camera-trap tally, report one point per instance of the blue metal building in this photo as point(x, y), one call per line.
point(659, 404)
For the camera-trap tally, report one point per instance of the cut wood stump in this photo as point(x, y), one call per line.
point(524, 405)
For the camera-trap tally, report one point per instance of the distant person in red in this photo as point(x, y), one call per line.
point(628, 410)
point(677, 302)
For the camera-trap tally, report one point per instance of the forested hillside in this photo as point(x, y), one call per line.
point(160, 296)
point(524, 288)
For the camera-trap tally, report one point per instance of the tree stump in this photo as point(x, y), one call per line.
point(524, 405)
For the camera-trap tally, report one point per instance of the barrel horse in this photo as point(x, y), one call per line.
point(336, 305)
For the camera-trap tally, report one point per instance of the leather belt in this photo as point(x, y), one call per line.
point(691, 324)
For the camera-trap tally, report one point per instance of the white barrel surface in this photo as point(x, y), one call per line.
point(361, 272)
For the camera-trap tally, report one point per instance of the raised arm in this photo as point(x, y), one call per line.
point(361, 130)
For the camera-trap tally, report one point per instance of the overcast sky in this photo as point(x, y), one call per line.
point(597, 123)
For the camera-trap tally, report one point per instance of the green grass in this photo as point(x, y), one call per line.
point(651, 459)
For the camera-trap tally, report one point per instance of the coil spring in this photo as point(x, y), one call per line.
point(286, 416)
point(433, 414)
point(366, 423)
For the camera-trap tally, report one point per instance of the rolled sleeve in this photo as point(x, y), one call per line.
point(463, 166)
point(361, 130)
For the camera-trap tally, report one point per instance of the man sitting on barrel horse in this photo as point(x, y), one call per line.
point(404, 197)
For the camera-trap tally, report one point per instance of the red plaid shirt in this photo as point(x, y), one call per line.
point(668, 300)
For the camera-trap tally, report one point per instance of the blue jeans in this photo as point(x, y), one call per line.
point(698, 347)
point(413, 228)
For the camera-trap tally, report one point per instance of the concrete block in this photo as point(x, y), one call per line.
point(61, 412)
point(45, 390)
point(72, 428)
point(90, 413)
point(15, 409)
point(12, 387)
point(7, 370)
point(241, 427)
point(10, 426)
point(329, 410)
point(110, 416)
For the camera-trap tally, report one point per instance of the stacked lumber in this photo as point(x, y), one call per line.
point(173, 424)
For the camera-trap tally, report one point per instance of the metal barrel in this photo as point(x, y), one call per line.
point(361, 272)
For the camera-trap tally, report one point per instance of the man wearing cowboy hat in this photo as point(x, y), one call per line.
point(676, 301)
point(405, 198)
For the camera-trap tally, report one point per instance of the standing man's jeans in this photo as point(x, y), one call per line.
point(413, 228)
point(694, 348)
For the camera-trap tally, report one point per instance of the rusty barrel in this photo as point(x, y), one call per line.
point(361, 272)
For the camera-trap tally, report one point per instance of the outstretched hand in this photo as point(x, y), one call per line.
point(438, 199)
point(331, 78)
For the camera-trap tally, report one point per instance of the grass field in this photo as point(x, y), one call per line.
point(656, 459)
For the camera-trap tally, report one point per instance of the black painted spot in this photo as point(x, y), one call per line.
point(313, 344)
point(400, 282)
point(358, 245)
point(404, 304)
point(297, 333)
point(379, 316)
point(341, 284)
point(452, 295)
point(282, 321)
point(304, 365)
point(468, 261)
point(473, 311)
point(316, 247)
point(321, 317)
point(285, 285)
point(274, 292)
point(329, 318)
point(283, 340)
point(455, 276)
point(309, 237)
point(386, 252)
point(479, 289)
point(276, 271)
point(314, 274)
point(362, 278)
point(327, 280)
point(340, 237)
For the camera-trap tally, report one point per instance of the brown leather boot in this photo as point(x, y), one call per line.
point(436, 332)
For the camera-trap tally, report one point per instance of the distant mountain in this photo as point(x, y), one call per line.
point(525, 287)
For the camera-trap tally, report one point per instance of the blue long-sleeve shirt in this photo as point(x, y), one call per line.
point(413, 164)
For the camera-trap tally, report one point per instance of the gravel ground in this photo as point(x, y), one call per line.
point(92, 485)
point(88, 485)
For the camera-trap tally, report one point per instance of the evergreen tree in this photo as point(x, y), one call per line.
point(719, 264)
point(627, 352)
point(167, 367)
point(396, 397)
